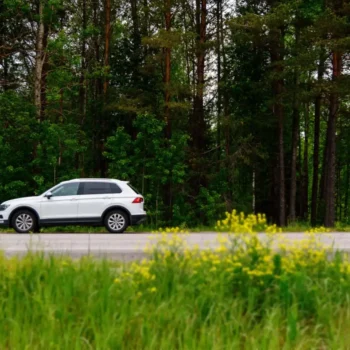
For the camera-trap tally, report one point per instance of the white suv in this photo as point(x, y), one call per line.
point(97, 202)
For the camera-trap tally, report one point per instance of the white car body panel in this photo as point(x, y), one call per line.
point(82, 208)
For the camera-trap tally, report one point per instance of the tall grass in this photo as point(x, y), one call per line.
point(176, 300)
point(242, 295)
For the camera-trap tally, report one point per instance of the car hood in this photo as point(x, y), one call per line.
point(22, 200)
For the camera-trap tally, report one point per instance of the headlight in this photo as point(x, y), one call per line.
point(4, 206)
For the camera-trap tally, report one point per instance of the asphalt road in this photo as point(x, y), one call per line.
point(123, 246)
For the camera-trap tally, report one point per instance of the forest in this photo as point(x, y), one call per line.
point(205, 106)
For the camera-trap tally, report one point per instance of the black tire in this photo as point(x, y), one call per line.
point(116, 221)
point(24, 221)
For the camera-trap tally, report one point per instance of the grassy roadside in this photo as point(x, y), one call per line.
point(296, 227)
point(241, 296)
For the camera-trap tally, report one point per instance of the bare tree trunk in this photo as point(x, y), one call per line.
point(282, 200)
point(198, 125)
point(338, 210)
point(318, 101)
point(295, 141)
point(82, 87)
point(167, 70)
point(347, 187)
point(305, 172)
point(98, 92)
point(107, 45)
point(295, 138)
point(330, 164)
point(103, 122)
point(136, 40)
point(219, 88)
point(199, 100)
point(39, 62)
point(44, 73)
point(167, 96)
point(277, 48)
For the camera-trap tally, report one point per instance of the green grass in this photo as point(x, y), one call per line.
point(295, 227)
point(54, 303)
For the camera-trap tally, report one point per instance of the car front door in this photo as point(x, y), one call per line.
point(63, 205)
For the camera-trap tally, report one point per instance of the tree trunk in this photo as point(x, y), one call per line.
point(316, 161)
point(295, 137)
point(167, 70)
point(338, 210)
point(98, 91)
point(107, 45)
point(136, 40)
point(277, 47)
point(167, 79)
point(305, 172)
point(44, 73)
point(329, 219)
point(103, 114)
point(39, 63)
point(198, 125)
point(347, 187)
point(295, 141)
point(219, 88)
point(82, 87)
point(226, 121)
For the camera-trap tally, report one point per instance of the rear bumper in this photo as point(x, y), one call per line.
point(138, 219)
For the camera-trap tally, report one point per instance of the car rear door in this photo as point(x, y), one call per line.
point(95, 198)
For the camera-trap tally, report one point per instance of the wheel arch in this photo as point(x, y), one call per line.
point(117, 207)
point(14, 211)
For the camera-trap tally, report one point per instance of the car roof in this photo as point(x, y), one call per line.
point(96, 179)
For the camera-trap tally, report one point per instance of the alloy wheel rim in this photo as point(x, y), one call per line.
point(116, 222)
point(24, 222)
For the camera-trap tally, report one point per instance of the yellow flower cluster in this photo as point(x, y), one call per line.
point(237, 257)
point(240, 255)
point(241, 223)
point(174, 230)
point(320, 229)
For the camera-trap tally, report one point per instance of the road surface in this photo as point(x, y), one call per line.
point(124, 247)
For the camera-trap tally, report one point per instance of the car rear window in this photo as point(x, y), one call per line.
point(134, 189)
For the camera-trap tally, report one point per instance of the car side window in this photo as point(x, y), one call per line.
point(115, 188)
point(69, 189)
point(100, 188)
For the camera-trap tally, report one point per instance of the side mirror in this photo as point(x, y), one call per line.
point(48, 195)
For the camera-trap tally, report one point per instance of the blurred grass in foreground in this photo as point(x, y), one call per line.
point(242, 295)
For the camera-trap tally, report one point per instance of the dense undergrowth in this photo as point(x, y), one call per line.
point(247, 293)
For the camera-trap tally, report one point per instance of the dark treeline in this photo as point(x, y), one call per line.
point(203, 105)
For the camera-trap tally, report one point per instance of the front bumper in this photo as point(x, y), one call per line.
point(4, 223)
point(138, 219)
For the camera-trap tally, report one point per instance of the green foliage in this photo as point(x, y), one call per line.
point(113, 119)
point(149, 161)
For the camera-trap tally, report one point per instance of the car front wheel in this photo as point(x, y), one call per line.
point(116, 221)
point(24, 221)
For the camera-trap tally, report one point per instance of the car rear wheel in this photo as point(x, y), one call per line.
point(116, 221)
point(24, 221)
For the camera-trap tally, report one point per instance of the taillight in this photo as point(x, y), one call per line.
point(138, 200)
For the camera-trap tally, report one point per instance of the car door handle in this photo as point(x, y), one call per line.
point(74, 199)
